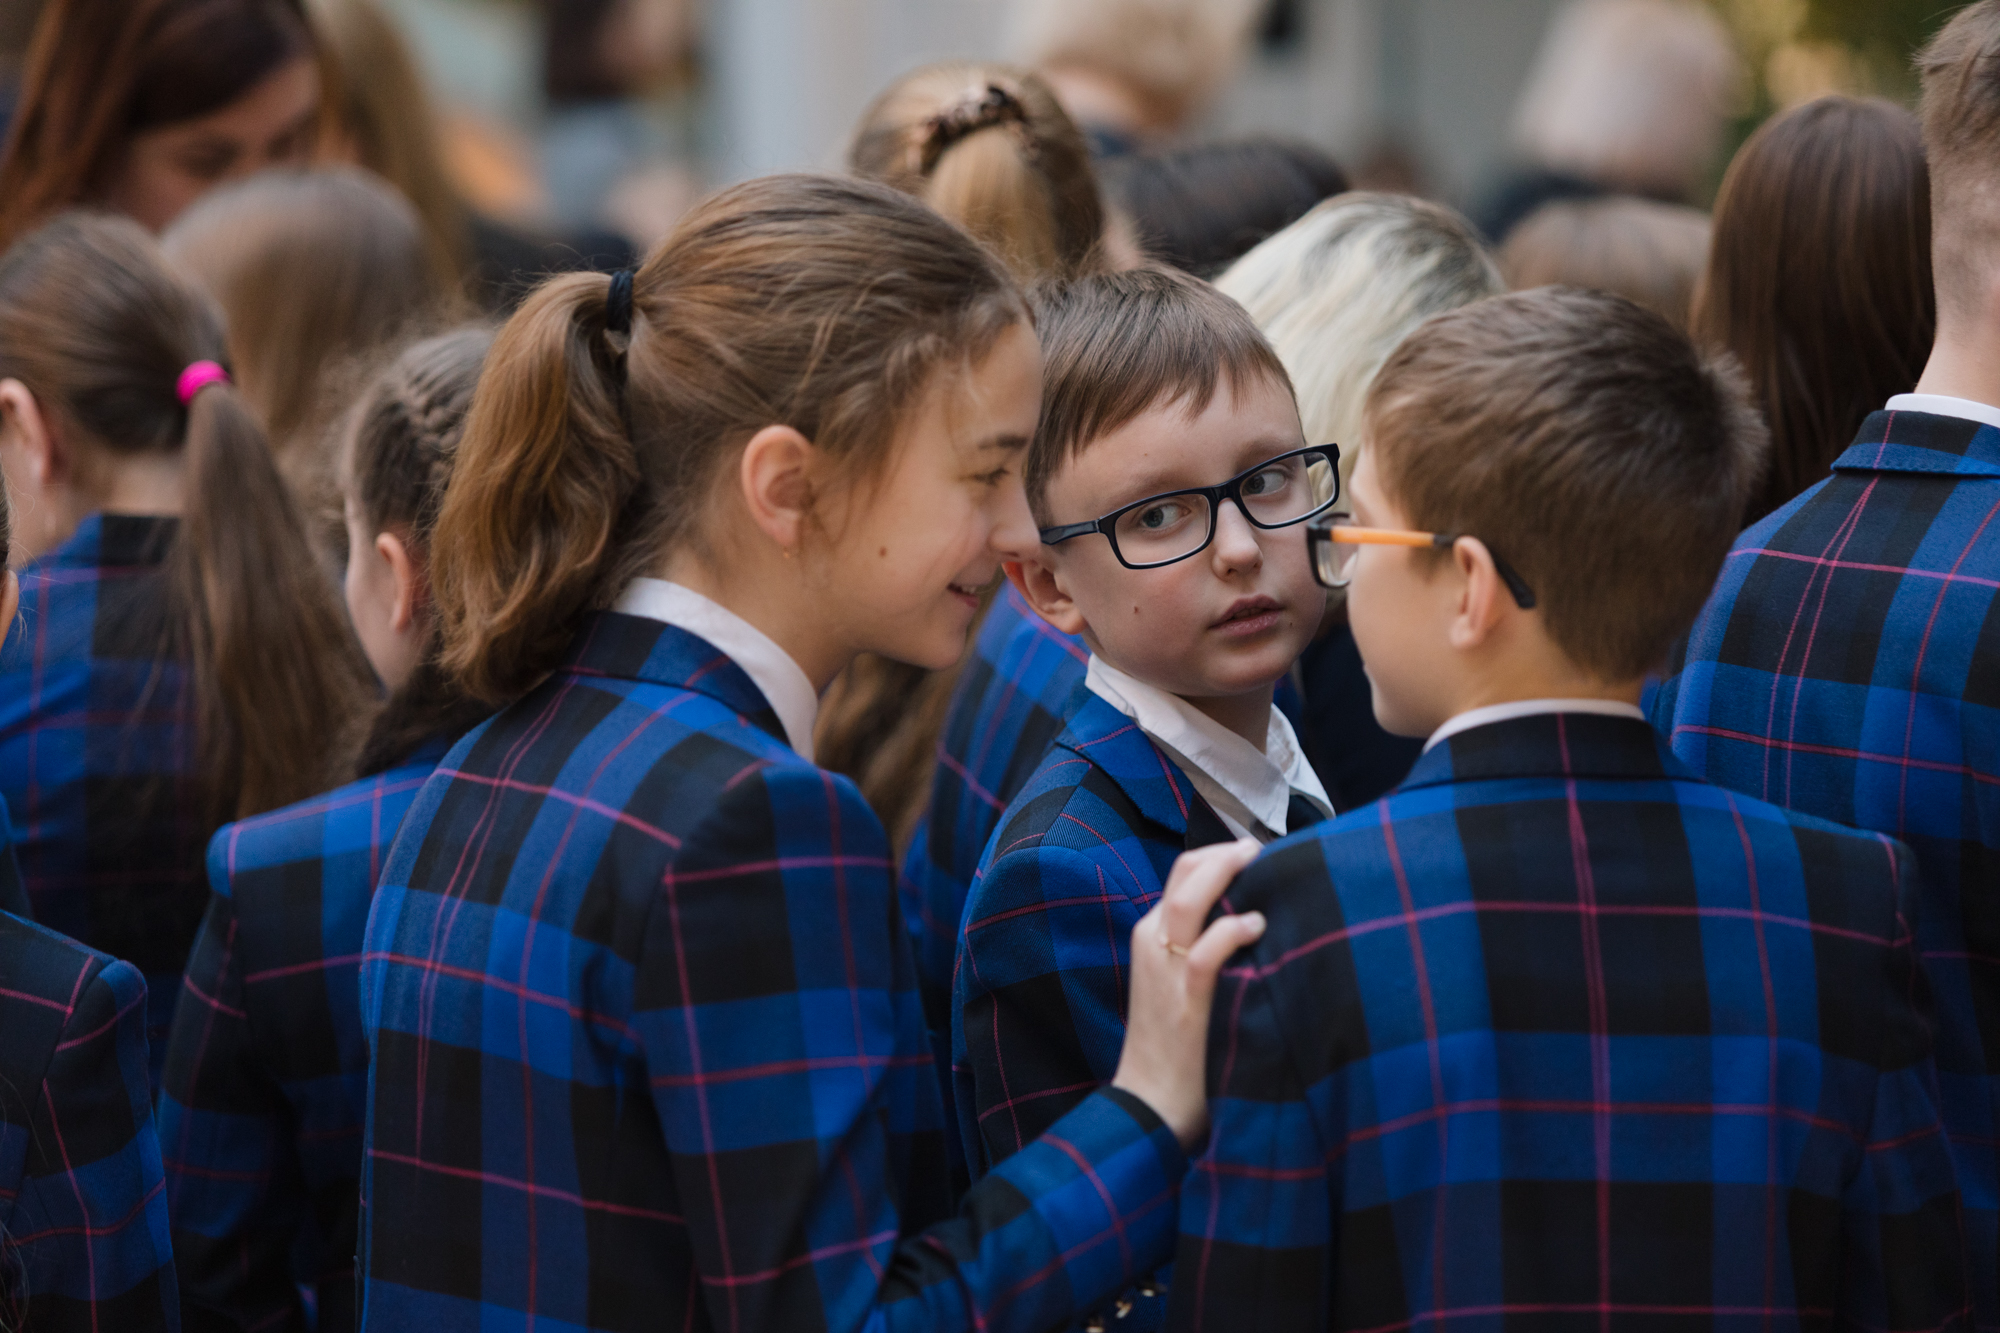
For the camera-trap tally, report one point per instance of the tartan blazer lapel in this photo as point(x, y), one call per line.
point(1150, 780)
point(635, 648)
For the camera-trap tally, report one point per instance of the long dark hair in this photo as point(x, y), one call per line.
point(401, 439)
point(99, 330)
point(101, 71)
point(1819, 278)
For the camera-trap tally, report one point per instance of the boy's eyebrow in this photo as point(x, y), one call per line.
point(1170, 478)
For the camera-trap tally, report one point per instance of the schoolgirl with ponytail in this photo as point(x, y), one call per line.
point(83, 1208)
point(646, 1041)
point(180, 659)
point(263, 1102)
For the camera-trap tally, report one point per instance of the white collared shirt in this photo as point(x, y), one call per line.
point(1250, 789)
point(1481, 717)
point(770, 668)
point(1942, 405)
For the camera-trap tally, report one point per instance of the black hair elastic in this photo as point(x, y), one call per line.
point(618, 305)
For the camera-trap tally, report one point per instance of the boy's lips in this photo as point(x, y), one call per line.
point(1249, 612)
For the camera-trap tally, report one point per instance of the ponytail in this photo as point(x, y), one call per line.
point(270, 653)
point(98, 329)
point(540, 493)
point(990, 148)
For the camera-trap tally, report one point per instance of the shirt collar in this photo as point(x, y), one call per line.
point(1245, 785)
point(1491, 713)
point(769, 667)
point(1943, 405)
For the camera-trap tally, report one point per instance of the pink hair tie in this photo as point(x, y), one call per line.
point(198, 377)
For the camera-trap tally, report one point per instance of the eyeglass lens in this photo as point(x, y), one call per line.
point(1170, 527)
point(1333, 562)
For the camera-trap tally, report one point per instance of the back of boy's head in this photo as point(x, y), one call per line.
point(1961, 109)
point(1587, 443)
point(1117, 345)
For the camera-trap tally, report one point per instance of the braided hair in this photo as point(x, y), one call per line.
point(402, 437)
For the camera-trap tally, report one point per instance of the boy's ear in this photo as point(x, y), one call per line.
point(1037, 582)
point(1483, 599)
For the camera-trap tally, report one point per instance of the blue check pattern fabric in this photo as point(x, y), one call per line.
point(266, 1086)
point(1558, 1035)
point(96, 743)
point(1848, 666)
point(648, 1047)
point(83, 1205)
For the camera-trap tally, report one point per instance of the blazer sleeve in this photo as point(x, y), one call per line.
point(1903, 1247)
point(90, 1241)
point(1043, 971)
point(1256, 1220)
point(776, 1006)
point(236, 1193)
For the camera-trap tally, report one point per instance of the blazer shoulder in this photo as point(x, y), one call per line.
point(1070, 801)
point(54, 988)
point(360, 815)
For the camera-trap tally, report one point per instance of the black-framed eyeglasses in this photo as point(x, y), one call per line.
point(1334, 542)
point(1169, 527)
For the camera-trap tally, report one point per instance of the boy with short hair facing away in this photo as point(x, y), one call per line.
point(1558, 1028)
point(1848, 663)
point(1169, 475)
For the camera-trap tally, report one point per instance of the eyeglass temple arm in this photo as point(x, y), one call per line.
point(1050, 536)
point(1524, 596)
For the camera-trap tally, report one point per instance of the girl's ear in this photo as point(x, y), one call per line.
point(407, 580)
point(1037, 581)
point(28, 435)
point(10, 599)
point(775, 475)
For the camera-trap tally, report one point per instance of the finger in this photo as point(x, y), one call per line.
point(1186, 904)
point(1218, 944)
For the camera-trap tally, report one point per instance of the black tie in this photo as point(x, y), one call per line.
point(1302, 813)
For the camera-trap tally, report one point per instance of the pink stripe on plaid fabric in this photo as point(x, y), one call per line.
point(107, 1229)
point(545, 1191)
point(1917, 672)
point(26, 998)
point(1215, 1196)
point(1036, 909)
point(294, 969)
point(1112, 847)
point(1842, 534)
point(1770, 1056)
point(1618, 1307)
point(1863, 567)
point(1426, 1001)
point(76, 1189)
point(784, 863)
point(215, 1172)
point(1037, 1095)
point(856, 1197)
point(950, 761)
point(136, 1002)
point(1069, 1150)
point(1600, 1023)
point(1400, 921)
point(779, 1068)
point(215, 1005)
point(541, 789)
point(488, 980)
point(1838, 752)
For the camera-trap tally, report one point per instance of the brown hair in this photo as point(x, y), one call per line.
point(312, 269)
point(1643, 250)
point(815, 302)
point(1585, 440)
point(93, 323)
point(381, 106)
point(401, 437)
point(1117, 345)
point(1819, 279)
point(1960, 70)
point(100, 72)
point(989, 147)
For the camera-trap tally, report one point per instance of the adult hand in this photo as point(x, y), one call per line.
point(1174, 967)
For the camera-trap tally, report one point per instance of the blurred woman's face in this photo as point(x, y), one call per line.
point(169, 167)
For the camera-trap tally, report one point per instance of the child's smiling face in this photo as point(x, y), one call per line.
point(1218, 625)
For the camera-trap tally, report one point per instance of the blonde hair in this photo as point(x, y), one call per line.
point(989, 147)
point(1648, 252)
point(1172, 55)
point(1632, 93)
point(1338, 290)
point(380, 104)
point(1960, 70)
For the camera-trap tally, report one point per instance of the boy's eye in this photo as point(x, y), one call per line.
point(1156, 517)
point(1270, 480)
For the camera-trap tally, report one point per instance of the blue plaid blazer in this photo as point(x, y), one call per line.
point(267, 1070)
point(1559, 1035)
point(96, 737)
point(647, 1044)
point(83, 1206)
point(1848, 666)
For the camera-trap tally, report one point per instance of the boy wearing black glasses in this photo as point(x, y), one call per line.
point(1558, 1033)
point(1169, 476)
